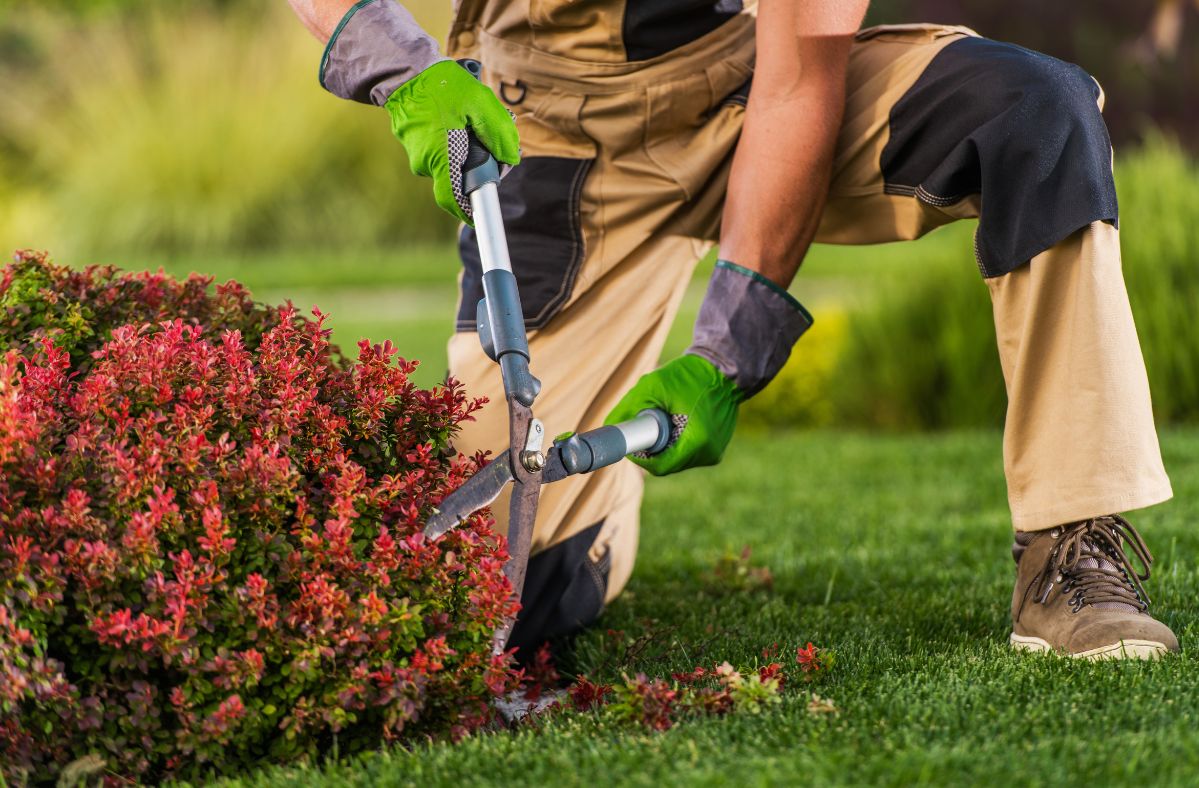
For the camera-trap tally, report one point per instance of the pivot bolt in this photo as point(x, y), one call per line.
point(533, 461)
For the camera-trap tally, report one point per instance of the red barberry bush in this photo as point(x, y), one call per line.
point(210, 548)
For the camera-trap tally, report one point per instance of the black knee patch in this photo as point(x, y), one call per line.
point(564, 592)
point(1019, 128)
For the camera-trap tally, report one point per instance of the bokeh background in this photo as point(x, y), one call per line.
point(192, 135)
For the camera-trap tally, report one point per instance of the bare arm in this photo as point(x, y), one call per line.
point(321, 17)
point(784, 159)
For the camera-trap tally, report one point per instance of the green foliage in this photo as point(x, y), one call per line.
point(800, 395)
point(191, 129)
point(1159, 221)
point(923, 356)
point(78, 310)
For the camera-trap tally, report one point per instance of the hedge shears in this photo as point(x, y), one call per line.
point(524, 464)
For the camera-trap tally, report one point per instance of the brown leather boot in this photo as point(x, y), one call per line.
point(1077, 593)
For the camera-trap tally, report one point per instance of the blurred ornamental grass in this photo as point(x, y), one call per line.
point(803, 393)
point(191, 129)
point(1159, 223)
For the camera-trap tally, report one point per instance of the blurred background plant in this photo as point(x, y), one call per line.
point(193, 135)
point(189, 127)
point(1144, 52)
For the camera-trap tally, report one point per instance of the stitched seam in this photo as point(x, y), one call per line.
point(894, 188)
point(922, 194)
point(601, 584)
point(978, 257)
point(345, 20)
point(932, 199)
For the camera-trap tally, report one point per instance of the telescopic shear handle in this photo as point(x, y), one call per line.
point(649, 432)
point(501, 319)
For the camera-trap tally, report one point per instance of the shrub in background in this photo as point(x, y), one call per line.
point(1159, 226)
point(176, 127)
point(210, 547)
point(923, 354)
point(800, 396)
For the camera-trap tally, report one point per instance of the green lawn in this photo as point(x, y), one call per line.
point(890, 550)
point(893, 552)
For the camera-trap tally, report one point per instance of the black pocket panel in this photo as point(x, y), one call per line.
point(539, 200)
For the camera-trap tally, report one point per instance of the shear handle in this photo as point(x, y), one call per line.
point(649, 432)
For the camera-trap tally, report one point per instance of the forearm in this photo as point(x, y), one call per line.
point(321, 17)
point(784, 160)
point(778, 185)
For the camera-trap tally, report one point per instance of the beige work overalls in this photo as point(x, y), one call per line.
point(620, 193)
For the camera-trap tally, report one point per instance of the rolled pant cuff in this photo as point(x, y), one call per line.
point(1074, 511)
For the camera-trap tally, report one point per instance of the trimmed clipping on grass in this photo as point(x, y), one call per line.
point(658, 704)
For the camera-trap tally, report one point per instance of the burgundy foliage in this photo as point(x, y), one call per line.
point(210, 548)
point(712, 692)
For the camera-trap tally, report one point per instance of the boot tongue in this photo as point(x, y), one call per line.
point(1095, 562)
point(1104, 564)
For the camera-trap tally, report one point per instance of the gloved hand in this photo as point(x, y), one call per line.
point(743, 337)
point(379, 55)
point(693, 388)
point(429, 115)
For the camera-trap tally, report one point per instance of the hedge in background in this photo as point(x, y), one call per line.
point(210, 548)
point(923, 355)
point(1150, 82)
point(191, 127)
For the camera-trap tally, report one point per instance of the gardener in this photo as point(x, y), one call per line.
point(640, 146)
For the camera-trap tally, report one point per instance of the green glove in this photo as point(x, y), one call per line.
point(743, 336)
point(379, 55)
point(690, 387)
point(429, 114)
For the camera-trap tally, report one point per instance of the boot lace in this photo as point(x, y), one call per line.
point(1090, 562)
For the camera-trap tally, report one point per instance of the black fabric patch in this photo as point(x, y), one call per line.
point(1019, 128)
point(564, 592)
point(539, 200)
point(655, 27)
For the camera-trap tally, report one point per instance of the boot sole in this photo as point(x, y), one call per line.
point(1124, 649)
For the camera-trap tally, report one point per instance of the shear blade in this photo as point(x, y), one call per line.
point(479, 491)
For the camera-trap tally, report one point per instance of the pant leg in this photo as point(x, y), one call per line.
point(942, 125)
point(1079, 440)
point(587, 357)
